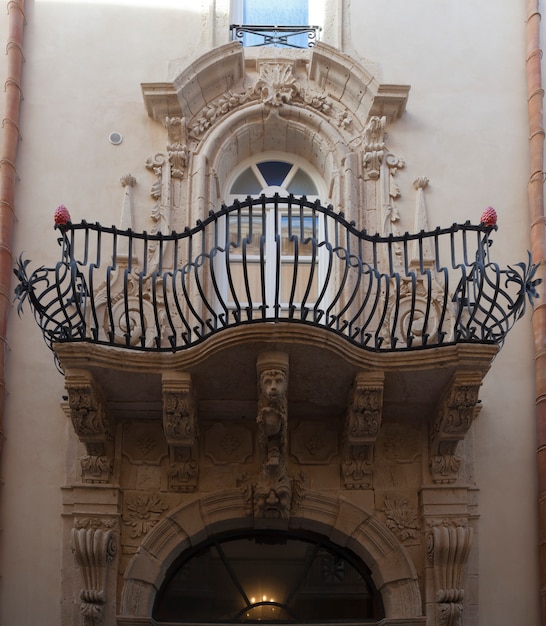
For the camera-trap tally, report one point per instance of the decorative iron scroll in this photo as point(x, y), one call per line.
point(254, 35)
point(276, 259)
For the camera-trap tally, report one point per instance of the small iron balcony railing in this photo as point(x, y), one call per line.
point(276, 259)
point(254, 35)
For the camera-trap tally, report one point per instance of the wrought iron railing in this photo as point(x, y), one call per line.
point(276, 260)
point(254, 35)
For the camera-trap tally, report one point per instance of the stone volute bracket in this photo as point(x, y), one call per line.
point(181, 430)
point(458, 409)
point(92, 425)
point(94, 549)
point(448, 549)
point(362, 425)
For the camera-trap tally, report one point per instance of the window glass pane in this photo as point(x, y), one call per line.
point(302, 184)
point(245, 228)
point(274, 172)
point(302, 229)
point(278, 13)
point(301, 283)
point(246, 184)
point(201, 581)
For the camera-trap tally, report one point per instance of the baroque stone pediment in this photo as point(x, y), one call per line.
point(230, 77)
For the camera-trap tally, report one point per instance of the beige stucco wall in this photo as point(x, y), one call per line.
point(464, 128)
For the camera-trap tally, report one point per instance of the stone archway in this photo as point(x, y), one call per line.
point(334, 517)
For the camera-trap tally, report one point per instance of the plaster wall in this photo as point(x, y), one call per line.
point(464, 128)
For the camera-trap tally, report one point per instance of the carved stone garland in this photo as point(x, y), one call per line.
point(91, 425)
point(457, 411)
point(449, 546)
point(362, 425)
point(94, 549)
point(181, 430)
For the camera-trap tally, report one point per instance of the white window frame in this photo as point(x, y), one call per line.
point(270, 252)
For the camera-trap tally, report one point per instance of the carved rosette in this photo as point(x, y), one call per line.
point(448, 549)
point(91, 425)
point(181, 430)
point(457, 411)
point(94, 549)
point(362, 425)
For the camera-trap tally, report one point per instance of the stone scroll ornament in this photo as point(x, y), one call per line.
point(94, 549)
point(449, 546)
point(181, 430)
point(362, 425)
point(92, 426)
point(456, 413)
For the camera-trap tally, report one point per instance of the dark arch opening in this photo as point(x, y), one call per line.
point(268, 576)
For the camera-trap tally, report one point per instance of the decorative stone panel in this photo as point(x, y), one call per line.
point(228, 443)
point(314, 443)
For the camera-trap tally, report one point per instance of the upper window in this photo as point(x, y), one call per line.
point(284, 23)
point(261, 176)
point(268, 576)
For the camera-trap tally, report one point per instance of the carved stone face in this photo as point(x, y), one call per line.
point(273, 384)
point(272, 500)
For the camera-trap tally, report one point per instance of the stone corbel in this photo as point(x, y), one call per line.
point(91, 424)
point(272, 369)
point(94, 549)
point(448, 551)
point(362, 425)
point(456, 413)
point(181, 430)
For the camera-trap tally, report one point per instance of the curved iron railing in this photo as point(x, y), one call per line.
point(276, 259)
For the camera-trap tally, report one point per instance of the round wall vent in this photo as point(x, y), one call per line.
point(115, 138)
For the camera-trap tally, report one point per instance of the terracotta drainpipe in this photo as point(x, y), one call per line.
point(8, 176)
point(535, 98)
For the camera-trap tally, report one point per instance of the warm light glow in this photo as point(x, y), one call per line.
point(264, 598)
point(252, 600)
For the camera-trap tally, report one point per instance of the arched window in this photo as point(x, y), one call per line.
point(277, 247)
point(268, 576)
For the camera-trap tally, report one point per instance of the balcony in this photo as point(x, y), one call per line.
point(386, 328)
point(270, 261)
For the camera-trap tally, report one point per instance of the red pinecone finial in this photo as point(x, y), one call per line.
point(61, 215)
point(489, 217)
